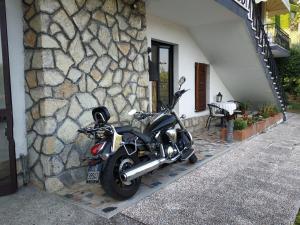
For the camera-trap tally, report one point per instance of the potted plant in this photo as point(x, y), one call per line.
point(244, 106)
point(260, 124)
point(241, 130)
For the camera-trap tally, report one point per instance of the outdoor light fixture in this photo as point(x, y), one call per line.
point(219, 97)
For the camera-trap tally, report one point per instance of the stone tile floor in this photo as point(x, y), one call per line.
point(93, 198)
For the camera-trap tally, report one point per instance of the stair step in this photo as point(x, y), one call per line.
point(268, 66)
point(265, 60)
point(263, 53)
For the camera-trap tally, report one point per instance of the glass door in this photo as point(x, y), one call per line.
point(162, 89)
point(8, 183)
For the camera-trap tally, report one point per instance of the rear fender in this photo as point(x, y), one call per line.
point(112, 146)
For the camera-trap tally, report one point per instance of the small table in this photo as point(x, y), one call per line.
point(228, 107)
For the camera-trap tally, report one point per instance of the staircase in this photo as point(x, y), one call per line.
point(263, 48)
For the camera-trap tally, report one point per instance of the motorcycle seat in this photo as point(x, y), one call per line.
point(127, 129)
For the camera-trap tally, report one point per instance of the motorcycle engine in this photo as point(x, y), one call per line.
point(170, 149)
point(172, 135)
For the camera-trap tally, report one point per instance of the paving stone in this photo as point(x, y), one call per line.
point(68, 131)
point(81, 19)
point(64, 21)
point(70, 6)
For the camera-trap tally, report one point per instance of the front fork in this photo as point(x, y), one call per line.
point(182, 126)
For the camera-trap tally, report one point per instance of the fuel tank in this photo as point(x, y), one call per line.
point(163, 122)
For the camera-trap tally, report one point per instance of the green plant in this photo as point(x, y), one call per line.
point(290, 66)
point(249, 121)
point(240, 124)
point(292, 85)
point(268, 110)
point(244, 106)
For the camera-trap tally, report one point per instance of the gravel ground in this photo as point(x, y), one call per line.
point(32, 207)
point(257, 182)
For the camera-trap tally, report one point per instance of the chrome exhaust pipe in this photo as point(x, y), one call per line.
point(141, 170)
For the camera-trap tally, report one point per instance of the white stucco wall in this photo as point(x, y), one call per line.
point(186, 53)
point(14, 16)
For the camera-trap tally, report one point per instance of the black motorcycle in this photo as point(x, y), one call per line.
point(122, 155)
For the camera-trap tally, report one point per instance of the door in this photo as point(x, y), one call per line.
point(162, 89)
point(8, 182)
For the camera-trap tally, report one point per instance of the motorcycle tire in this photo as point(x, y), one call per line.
point(193, 159)
point(110, 178)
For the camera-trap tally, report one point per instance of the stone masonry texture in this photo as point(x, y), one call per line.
point(79, 54)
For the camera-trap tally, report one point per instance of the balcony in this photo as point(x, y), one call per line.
point(277, 7)
point(279, 40)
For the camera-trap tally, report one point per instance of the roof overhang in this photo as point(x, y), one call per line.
point(277, 7)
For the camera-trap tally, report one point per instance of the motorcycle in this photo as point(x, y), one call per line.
point(122, 155)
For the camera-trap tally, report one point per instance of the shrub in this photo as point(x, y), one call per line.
point(292, 85)
point(268, 110)
point(250, 121)
point(244, 106)
point(240, 124)
point(290, 66)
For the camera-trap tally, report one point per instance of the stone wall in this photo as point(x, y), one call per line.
point(79, 54)
point(195, 124)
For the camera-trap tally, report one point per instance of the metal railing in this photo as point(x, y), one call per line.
point(277, 35)
point(264, 48)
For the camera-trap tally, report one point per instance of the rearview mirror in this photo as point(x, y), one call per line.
point(181, 81)
point(132, 112)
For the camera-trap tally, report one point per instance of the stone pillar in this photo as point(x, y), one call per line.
point(79, 54)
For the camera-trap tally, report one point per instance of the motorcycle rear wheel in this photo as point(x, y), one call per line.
point(110, 178)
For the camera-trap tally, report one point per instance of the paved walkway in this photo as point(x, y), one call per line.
point(257, 182)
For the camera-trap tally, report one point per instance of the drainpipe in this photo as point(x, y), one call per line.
point(25, 168)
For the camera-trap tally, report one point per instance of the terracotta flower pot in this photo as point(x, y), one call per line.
point(273, 119)
point(241, 135)
point(278, 117)
point(260, 126)
point(223, 133)
point(269, 122)
point(238, 135)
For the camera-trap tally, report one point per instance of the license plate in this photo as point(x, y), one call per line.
point(93, 174)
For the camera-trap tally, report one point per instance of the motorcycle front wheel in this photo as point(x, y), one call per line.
point(110, 178)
